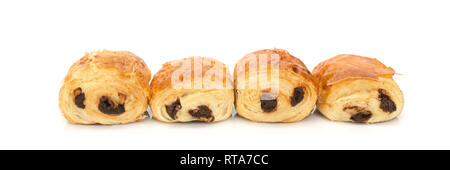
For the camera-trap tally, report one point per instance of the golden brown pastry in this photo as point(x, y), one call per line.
point(273, 86)
point(192, 89)
point(106, 87)
point(358, 89)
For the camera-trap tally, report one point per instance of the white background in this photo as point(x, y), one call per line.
point(41, 39)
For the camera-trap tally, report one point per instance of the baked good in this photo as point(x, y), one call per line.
point(106, 87)
point(192, 89)
point(358, 89)
point(273, 86)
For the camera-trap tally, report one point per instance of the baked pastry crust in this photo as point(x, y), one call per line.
point(106, 87)
point(192, 89)
point(358, 89)
point(289, 93)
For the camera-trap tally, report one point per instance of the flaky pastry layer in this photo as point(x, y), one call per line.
point(273, 86)
point(192, 89)
point(106, 87)
point(357, 89)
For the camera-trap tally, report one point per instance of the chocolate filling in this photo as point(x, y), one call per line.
point(351, 108)
point(173, 108)
point(79, 98)
point(386, 104)
point(297, 96)
point(295, 69)
point(361, 116)
point(268, 102)
point(201, 111)
point(109, 107)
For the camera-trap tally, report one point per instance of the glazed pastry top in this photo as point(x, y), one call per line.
point(347, 66)
point(128, 66)
point(286, 62)
point(198, 68)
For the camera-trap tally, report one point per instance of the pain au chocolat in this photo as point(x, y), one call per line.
point(192, 89)
point(106, 87)
point(273, 86)
point(357, 89)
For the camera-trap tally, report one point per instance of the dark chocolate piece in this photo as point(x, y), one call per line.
point(79, 98)
point(109, 107)
point(268, 101)
point(173, 108)
point(295, 69)
point(361, 116)
point(386, 104)
point(201, 111)
point(351, 108)
point(297, 96)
